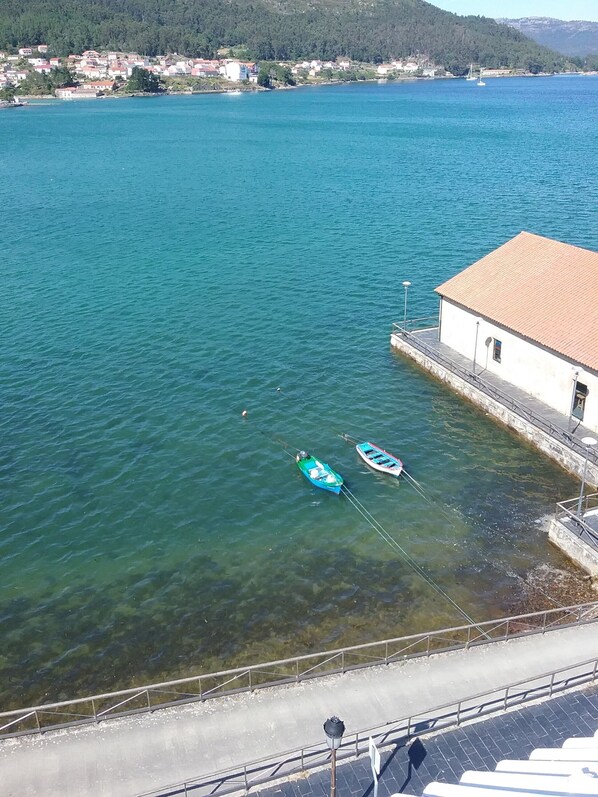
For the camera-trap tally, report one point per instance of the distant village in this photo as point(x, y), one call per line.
point(101, 73)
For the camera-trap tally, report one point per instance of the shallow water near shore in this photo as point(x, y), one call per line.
point(169, 262)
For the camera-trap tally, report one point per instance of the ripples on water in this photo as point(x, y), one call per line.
point(167, 263)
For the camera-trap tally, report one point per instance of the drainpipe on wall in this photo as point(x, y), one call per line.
point(572, 403)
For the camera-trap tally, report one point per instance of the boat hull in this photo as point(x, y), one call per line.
point(379, 459)
point(320, 474)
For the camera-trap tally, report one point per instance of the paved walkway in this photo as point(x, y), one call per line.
point(445, 757)
point(122, 758)
point(560, 420)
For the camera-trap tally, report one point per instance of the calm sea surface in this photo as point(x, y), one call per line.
point(167, 263)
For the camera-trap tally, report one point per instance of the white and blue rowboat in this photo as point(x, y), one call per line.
point(379, 459)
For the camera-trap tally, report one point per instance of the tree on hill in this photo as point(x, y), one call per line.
point(42, 84)
point(143, 81)
point(271, 73)
point(7, 94)
point(273, 30)
point(62, 76)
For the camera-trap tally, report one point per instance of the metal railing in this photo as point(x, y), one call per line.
point(399, 732)
point(496, 393)
point(567, 511)
point(419, 324)
point(97, 708)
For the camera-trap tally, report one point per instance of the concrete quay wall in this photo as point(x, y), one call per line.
point(574, 548)
point(568, 459)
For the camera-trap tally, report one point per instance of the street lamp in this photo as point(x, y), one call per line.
point(406, 285)
point(588, 442)
point(334, 729)
point(475, 348)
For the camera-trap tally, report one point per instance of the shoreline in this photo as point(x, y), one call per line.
point(23, 99)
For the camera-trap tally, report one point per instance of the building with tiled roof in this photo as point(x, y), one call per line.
point(528, 311)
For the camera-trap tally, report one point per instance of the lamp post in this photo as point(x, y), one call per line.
point(475, 348)
point(334, 729)
point(588, 442)
point(406, 285)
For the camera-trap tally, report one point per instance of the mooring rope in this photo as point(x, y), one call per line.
point(287, 448)
point(412, 483)
point(381, 531)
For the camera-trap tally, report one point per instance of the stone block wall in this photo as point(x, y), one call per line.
point(560, 452)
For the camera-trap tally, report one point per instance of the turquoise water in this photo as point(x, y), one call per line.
point(169, 262)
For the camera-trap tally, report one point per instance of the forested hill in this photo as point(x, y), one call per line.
point(272, 29)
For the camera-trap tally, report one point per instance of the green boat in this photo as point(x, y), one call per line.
point(319, 473)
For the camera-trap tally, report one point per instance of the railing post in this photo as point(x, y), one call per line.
point(551, 685)
point(199, 688)
point(245, 777)
point(343, 662)
point(458, 713)
point(544, 623)
point(249, 679)
point(468, 637)
point(428, 642)
point(386, 652)
point(297, 670)
point(39, 727)
point(149, 700)
point(506, 700)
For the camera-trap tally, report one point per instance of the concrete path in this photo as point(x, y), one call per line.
point(122, 758)
point(446, 756)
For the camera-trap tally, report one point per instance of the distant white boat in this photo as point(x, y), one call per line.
point(470, 75)
point(480, 81)
point(233, 92)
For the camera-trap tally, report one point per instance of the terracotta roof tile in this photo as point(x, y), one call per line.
point(542, 289)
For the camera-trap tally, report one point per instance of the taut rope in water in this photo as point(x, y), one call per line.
point(412, 482)
point(288, 448)
point(381, 531)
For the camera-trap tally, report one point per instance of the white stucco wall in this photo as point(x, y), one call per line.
point(236, 72)
point(538, 371)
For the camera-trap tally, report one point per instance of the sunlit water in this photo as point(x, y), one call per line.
point(167, 263)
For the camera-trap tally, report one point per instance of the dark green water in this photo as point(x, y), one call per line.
point(167, 263)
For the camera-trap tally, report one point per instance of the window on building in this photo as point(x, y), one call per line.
point(579, 400)
point(497, 350)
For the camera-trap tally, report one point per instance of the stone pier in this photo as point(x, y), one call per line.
point(536, 422)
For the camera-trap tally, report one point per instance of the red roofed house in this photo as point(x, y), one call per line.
point(528, 312)
point(101, 86)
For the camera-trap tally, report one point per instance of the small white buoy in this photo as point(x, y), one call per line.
point(244, 413)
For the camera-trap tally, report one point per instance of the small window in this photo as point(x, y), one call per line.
point(579, 400)
point(497, 350)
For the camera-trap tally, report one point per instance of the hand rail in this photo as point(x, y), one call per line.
point(577, 524)
point(401, 731)
point(102, 707)
point(503, 398)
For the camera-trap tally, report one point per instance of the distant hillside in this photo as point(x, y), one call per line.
point(372, 31)
point(569, 38)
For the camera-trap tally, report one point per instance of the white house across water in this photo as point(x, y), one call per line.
point(528, 312)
